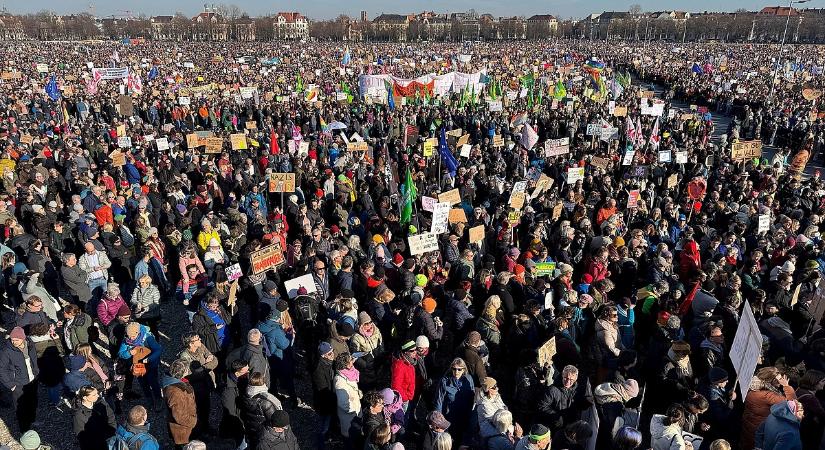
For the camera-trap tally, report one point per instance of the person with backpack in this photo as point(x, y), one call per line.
point(278, 335)
point(257, 408)
point(134, 434)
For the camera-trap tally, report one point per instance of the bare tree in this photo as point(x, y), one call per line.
point(635, 9)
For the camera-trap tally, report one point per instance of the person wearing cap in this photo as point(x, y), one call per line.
point(323, 389)
point(488, 401)
point(437, 425)
point(454, 397)
point(403, 374)
point(537, 439)
point(18, 375)
point(277, 434)
point(348, 394)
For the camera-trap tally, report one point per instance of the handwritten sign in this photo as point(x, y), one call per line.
point(746, 348)
point(267, 258)
point(672, 181)
point(238, 141)
point(422, 243)
point(599, 162)
point(427, 203)
point(453, 197)
point(746, 150)
point(633, 199)
point(214, 145)
point(357, 147)
point(575, 174)
point(555, 147)
point(546, 352)
point(517, 199)
point(429, 145)
point(476, 234)
point(192, 140)
point(457, 215)
point(282, 182)
point(620, 111)
point(233, 272)
point(124, 142)
point(441, 216)
point(543, 183)
point(498, 141)
point(162, 143)
point(681, 157)
point(594, 129)
point(251, 125)
point(764, 223)
point(118, 158)
point(664, 156)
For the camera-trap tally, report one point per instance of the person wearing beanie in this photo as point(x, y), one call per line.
point(19, 375)
point(538, 438)
point(427, 324)
point(30, 440)
point(471, 351)
point(323, 390)
point(277, 434)
point(137, 340)
point(368, 342)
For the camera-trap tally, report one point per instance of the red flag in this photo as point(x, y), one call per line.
point(273, 143)
point(685, 306)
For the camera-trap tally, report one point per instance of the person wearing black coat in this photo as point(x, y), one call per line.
point(258, 407)
point(18, 358)
point(323, 389)
point(277, 434)
point(94, 421)
point(564, 401)
point(236, 382)
point(207, 329)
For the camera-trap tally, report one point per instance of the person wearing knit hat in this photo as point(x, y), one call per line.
point(718, 376)
point(537, 439)
point(428, 304)
point(20, 375)
point(421, 342)
point(31, 441)
point(277, 432)
point(421, 280)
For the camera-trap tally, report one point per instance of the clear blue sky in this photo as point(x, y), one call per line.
point(321, 9)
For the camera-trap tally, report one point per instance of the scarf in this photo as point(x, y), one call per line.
point(218, 321)
point(350, 374)
point(682, 364)
point(98, 370)
point(707, 343)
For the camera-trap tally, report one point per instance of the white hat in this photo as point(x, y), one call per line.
point(422, 342)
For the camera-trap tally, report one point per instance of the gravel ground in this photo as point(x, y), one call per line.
point(55, 424)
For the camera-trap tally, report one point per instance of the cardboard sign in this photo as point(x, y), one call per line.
point(514, 217)
point(599, 162)
point(124, 142)
point(672, 181)
point(214, 145)
point(620, 111)
point(304, 281)
point(267, 258)
point(282, 182)
point(26, 139)
point(498, 141)
point(118, 158)
point(453, 197)
point(477, 234)
point(517, 200)
point(542, 184)
point(121, 130)
point(594, 129)
point(422, 243)
point(162, 143)
point(633, 199)
point(575, 174)
point(646, 94)
point(192, 140)
point(457, 215)
point(251, 125)
point(238, 141)
point(556, 211)
point(357, 147)
point(546, 352)
point(746, 150)
point(127, 108)
point(464, 139)
point(233, 272)
point(427, 203)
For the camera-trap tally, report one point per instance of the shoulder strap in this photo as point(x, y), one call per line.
point(139, 438)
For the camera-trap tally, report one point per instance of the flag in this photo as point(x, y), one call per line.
point(631, 131)
point(390, 99)
point(409, 195)
point(346, 59)
point(560, 91)
point(134, 83)
point(473, 96)
point(654, 135)
point(52, 90)
point(624, 79)
point(91, 86)
point(273, 143)
point(153, 73)
point(324, 126)
point(446, 154)
point(529, 137)
point(639, 136)
point(299, 83)
point(696, 68)
point(540, 96)
point(65, 114)
point(346, 89)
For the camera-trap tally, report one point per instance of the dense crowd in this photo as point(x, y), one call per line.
point(137, 293)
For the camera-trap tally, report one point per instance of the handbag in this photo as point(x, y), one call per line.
point(138, 366)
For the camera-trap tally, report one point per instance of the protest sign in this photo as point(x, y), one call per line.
point(476, 234)
point(633, 199)
point(746, 349)
point(441, 215)
point(118, 158)
point(465, 151)
point(121, 130)
point(162, 143)
point(124, 142)
point(282, 182)
point(126, 106)
point(517, 199)
point(555, 147)
point(556, 211)
point(26, 139)
point(620, 111)
point(599, 162)
point(543, 183)
point(453, 197)
point(429, 145)
point(746, 150)
point(681, 157)
point(192, 140)
point(575, 174)
point(238, 141)
point(184, 101)
point(422, 243)
point(498, 141)
point(304, 281)
point(664, 156)
point(267, 258)
point(427, 203)
point(672, 181)
point(546, 352)
point(609, 134)
point(514, 217)
point(233, 272)
point(357, 147)
point(627, 159)
point(214, 145)
point(817, 307)
point(457, 215)
point(594, 129)
point(764, 223)
point(544, 268)
point(251, 125)
point(464, 139)
point(495, 106)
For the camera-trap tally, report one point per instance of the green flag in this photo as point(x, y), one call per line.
point(299, 83)
point(410, 194)
point(560, 91)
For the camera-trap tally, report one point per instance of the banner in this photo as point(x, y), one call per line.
point(110, 73)
point(267, 258)
point(422, 243)
point(746, 150)
point(746, 349)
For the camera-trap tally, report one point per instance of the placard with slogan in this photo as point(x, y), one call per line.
point(746, 150)
point(457, 215)
point(118, 158)
point(441, 217)
point(192, 140)
point(599, 162)
point(476, 234)
point(281, 182)
point(671, 181)
point(545, 268)
point(422, 243)
point(429, 146)
point(498, 141)
point(555, 147)
point(238, 141)
point(620, 111)
point(453, 197)
point(633, 199)
point(357, 147)
point(575, 174)
point(267, 258)
point(214, 145)
point(517, 199)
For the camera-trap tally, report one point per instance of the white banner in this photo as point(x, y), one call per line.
point(746, 348)
point(110, 73)
point(422, 243)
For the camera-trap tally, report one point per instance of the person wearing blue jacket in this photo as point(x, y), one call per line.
point(454, 398)
point(138, 335)
point(279, 342)
point(135, 432)
point(780, 431)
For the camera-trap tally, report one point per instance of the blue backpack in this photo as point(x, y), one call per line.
point(135, 442)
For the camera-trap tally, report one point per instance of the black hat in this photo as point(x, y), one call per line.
point(717, 375)
point(345, 330)
point(279, 419)
point(538, 432)
point(347, 293)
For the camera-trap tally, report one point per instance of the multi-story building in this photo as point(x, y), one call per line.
point(11, 29)
point(209, 26)
point(243, 29)
point(290, 26)
point(391, 27)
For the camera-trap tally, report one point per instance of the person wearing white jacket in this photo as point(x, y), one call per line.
point(346, 391)
point(666, 430)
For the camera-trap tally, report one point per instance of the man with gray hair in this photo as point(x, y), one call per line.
point(252, 353)
point(75, 280)
point(564, 401)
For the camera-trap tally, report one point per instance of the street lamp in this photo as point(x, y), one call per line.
point(782, 44)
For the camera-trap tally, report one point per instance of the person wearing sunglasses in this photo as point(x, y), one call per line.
point(454, 397)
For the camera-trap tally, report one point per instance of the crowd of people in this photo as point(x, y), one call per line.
point(136, 293)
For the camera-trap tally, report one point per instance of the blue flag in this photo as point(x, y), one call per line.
point(153, 73)
point(51, 89)
point(697, 69)
point(346, 58)
point(390, 99)
point(446, 154)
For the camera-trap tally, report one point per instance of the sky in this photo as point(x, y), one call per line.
point(323, 9)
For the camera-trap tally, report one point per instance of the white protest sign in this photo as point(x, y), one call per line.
point(664, 156)
point(555, 147)
point(422, 243)
point(304, 281)
point(681, 157)
point(764, 223)
point(594, 129)
point(441, 215)
point(233, 272)
point(495, 106)
point(628, 157)
point(746, 349)
point(465, 150)
point(609, 134)
point(162, 143)
point(575, 174)
point(427, 203)
point(184, 101)
point(124, 142)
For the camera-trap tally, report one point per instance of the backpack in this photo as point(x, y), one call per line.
point(133, 443)
point(306, 312)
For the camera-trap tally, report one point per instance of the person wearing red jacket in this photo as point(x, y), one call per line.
point(403, 373)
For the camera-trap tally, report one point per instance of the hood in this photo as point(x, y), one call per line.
point(268, 325)
point(657, 426)
point(783, 412)
point(606, 393)
point(777, 324)
point(168, 381)
point(252, 391)
point(602, 325)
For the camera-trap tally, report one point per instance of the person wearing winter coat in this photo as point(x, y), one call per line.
point(109, 304)
point(253, 354)
point(135, 432)
point(666, 430)
point(180, 399)
point(257, 408)
point(425, 323)
point(138, 335)
point(780, 431)
point(608, 340)
point(470, 352)
point(277, 434)
point(488, 401)
point(94, 421)
point(19, 374)
point(76, 326)
point(323, 390)
point(49, 359)
point(347, 393)
point(767, 388)
point(146, 300)
point(368, 341)
point(96, 264)
point(34, 288)
point(402, 377)
point(454, 398)
point(564, 401)
point(500, 433)
point(211, 322)
point(75, 279)
point(236, 382)
point(201, 377)
point(811, 426)
point(279, 343)
point(610, 399)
